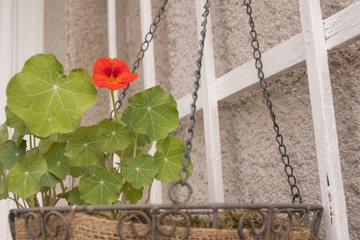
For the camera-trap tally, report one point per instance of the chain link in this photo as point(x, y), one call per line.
point(191, 119)
point(144, 46)
point(294, 189)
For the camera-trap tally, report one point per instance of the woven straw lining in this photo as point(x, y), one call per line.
point(85, 227)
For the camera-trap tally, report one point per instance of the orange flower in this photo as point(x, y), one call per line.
point(112, 73)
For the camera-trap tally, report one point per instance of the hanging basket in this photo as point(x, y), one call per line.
point(179, 220)
point(226, 221)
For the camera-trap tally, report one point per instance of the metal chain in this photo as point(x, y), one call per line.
point(191, 118)
point(144, 46)
point(295, 191)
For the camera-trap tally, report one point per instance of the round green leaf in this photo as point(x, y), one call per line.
point(154, 113)
point(3, 195)
point(49, 180)
point(131, 194)
point(10, 153)
point(57, 162)
point(77, 171)
point(3, 133)
point(101, 188)
point(24, 176)
point(125, 118)
point(168, 158)
point(46, 99)
point(15, 122)
point(140, 171)
point(45, 143)
point(86, 147)
point(119, 136)
point(129, 151)
point(91, 169)
point(74, 197)
point(17, 137)
point(2, 179)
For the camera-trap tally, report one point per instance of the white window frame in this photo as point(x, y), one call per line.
point(21, 36)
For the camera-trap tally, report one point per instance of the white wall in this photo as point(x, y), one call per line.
point(21, 31)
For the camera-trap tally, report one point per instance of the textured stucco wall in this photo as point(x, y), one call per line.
point(252, 169)
point(76, 32)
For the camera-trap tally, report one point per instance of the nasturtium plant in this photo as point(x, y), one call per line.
point(74, 197)
point(168, 158)
point(15, 122)
point(58, 163)
point(140, 171)
point(46, 99)
point(10, 153)
point(3, 133)
point(119, 136)
point(49, 150)
point(154, 113)
point(86, 147)
point(49, 180)
point(24, 177)
point(102, 187)
point(2, 179)
point(131, 194)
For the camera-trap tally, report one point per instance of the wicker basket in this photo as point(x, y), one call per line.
point(84, 227)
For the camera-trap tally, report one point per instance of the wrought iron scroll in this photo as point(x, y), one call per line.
point(133, 227)
point(30, 232)
point(39, 226)
point(261, 220)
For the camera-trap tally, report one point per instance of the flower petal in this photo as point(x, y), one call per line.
point(129, 77)
point(103, 66)
point(112, 73)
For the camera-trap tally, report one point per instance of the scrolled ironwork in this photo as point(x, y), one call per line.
point(280, 229)
point(123, 217)
point(173, 227)
point(260, 231)
point(57, 225)
point(305, 216)
point(38, 220)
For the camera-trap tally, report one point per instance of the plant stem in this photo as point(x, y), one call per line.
point(34, 141)
point(54, 196)
point(62, 186)
point(111, 161)
point(87, 120)
point(113, 103)
point(135, 145)
point(49, 197)
point(24, 203)
point(43, 198)
point(31, 145)
point(58, 137)
point(148, 197)
point(37, 204)
point(15, 200)
point(18, 205)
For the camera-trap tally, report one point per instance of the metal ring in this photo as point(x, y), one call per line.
point(173, 185)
